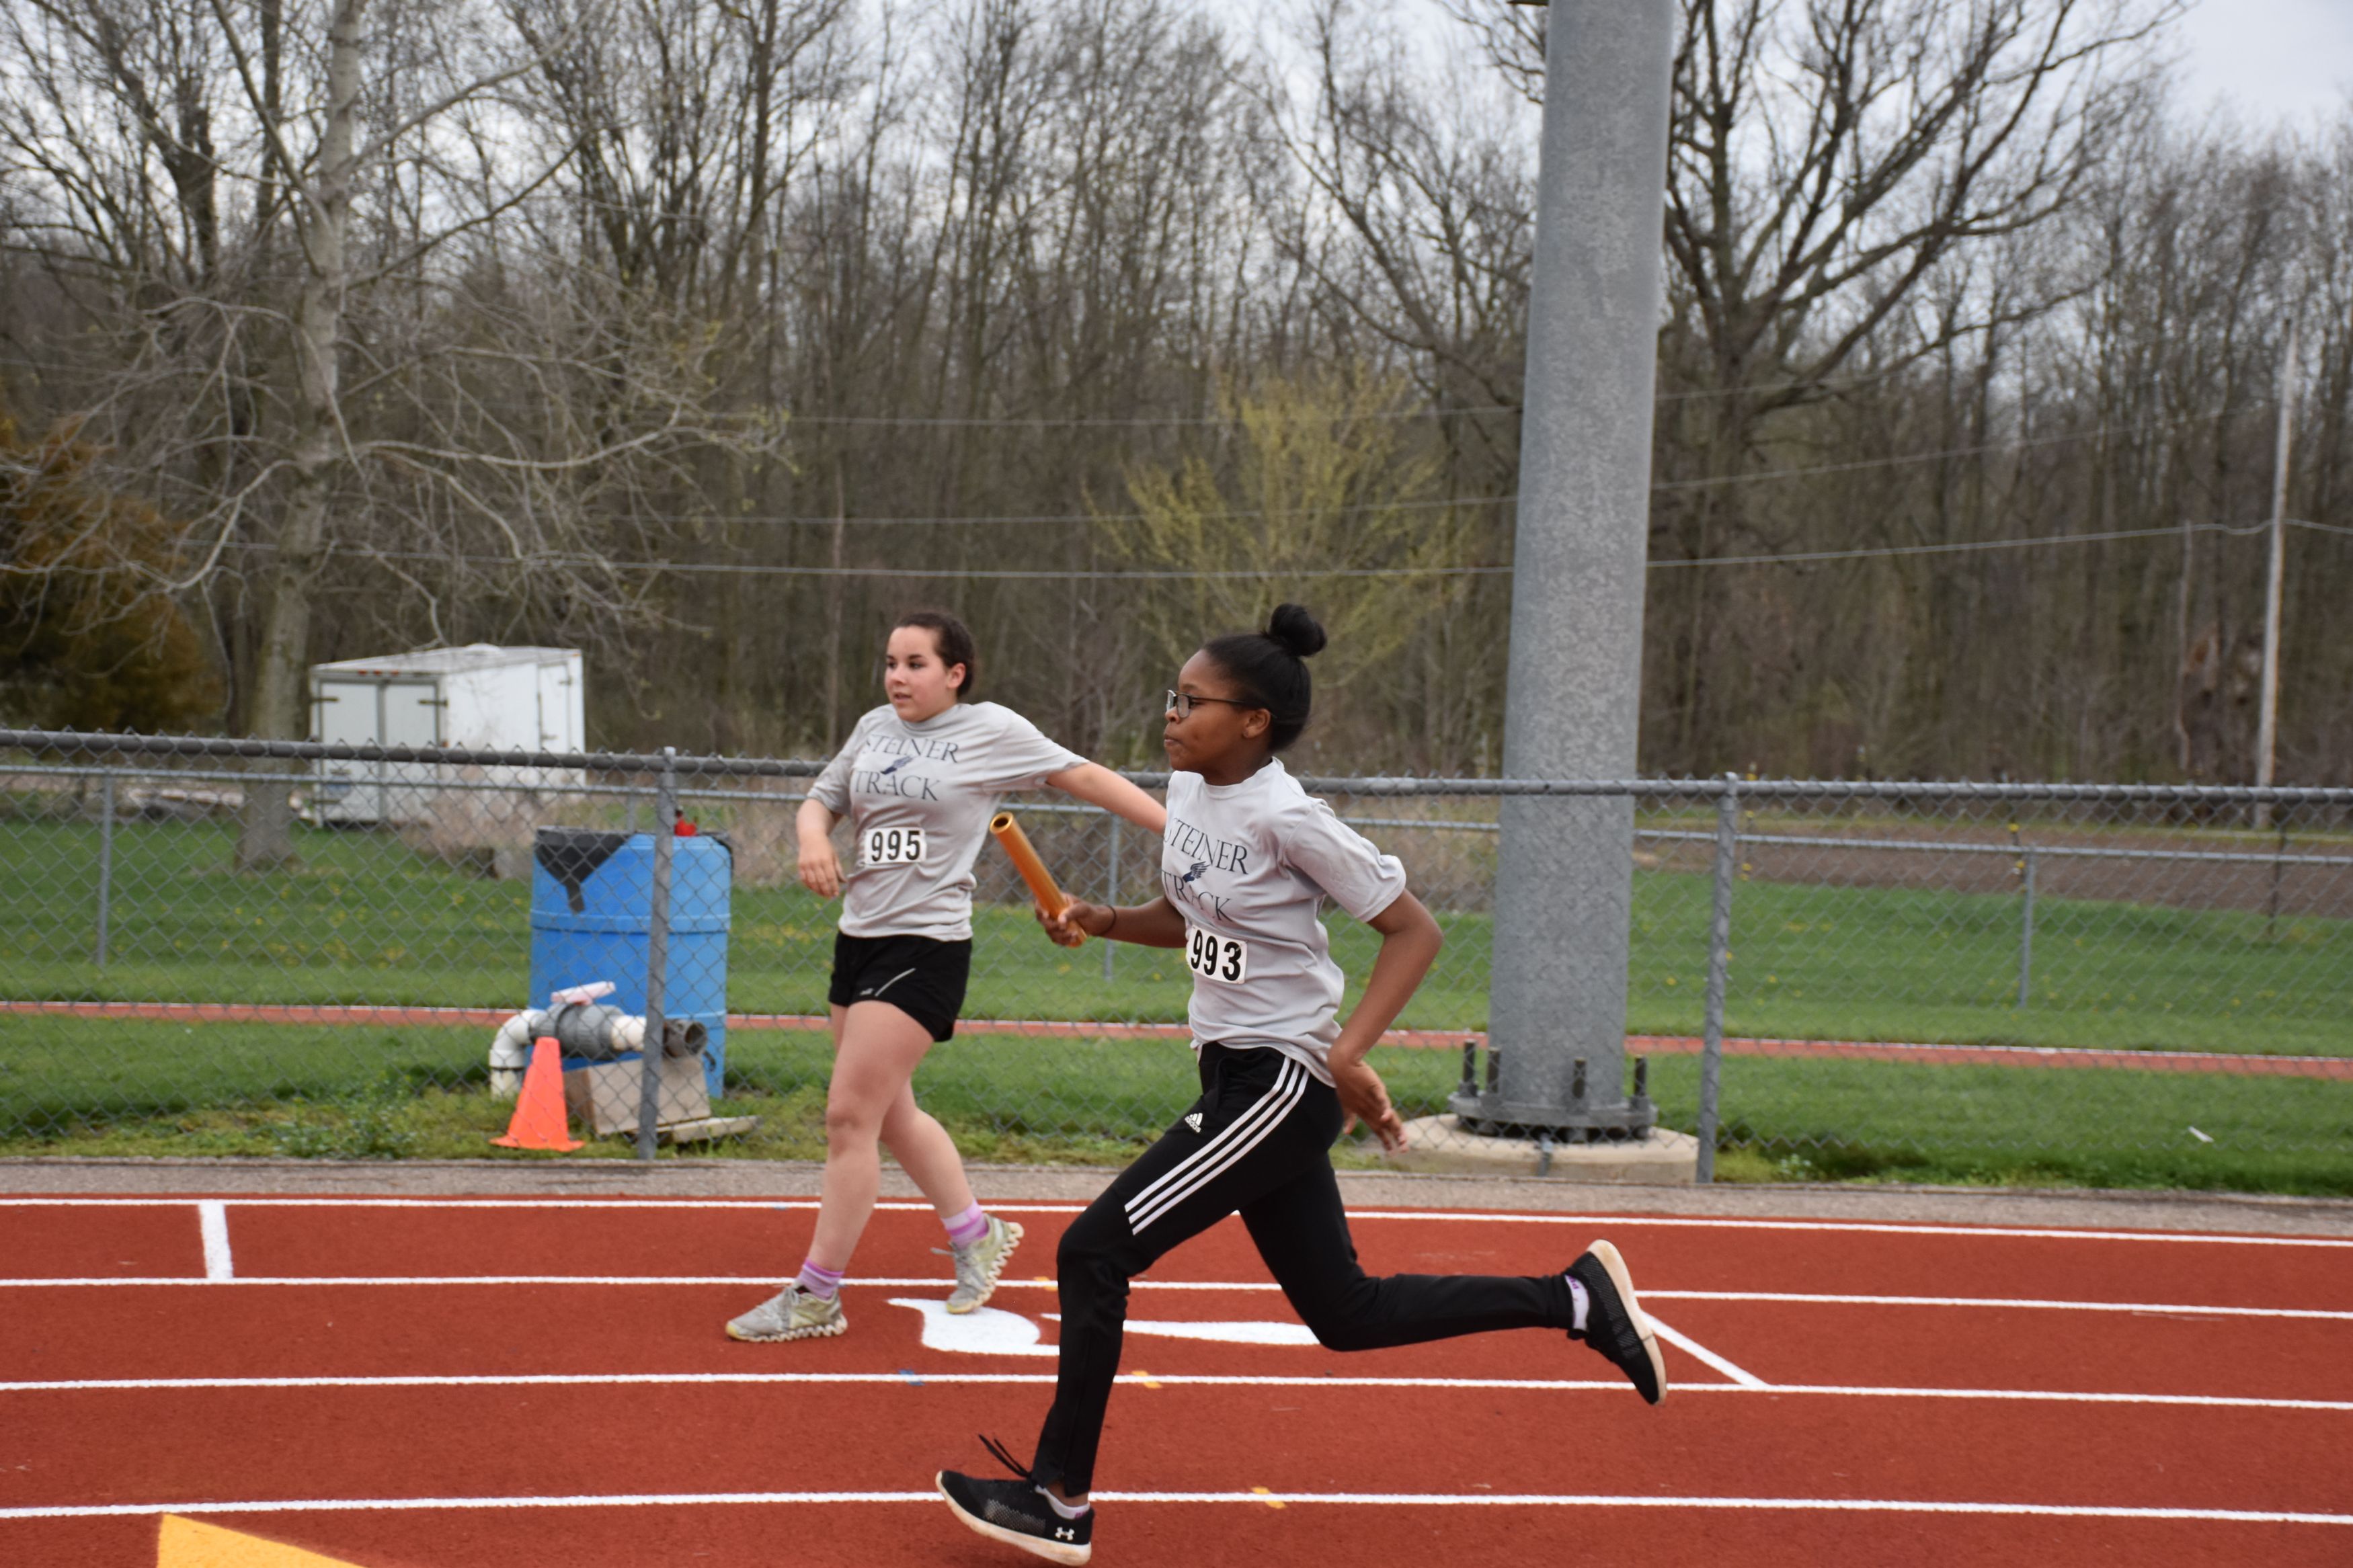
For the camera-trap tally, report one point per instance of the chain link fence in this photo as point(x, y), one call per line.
point(1923, 980)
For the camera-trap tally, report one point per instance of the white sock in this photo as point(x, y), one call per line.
point(1580, 1302)
point(1068, 1511)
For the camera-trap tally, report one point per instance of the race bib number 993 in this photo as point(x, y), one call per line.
point(1213, 957)
point(892, 846)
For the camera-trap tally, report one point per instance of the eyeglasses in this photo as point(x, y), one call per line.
point(1181, 704)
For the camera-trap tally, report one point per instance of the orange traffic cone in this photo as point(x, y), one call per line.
point(539, 1120)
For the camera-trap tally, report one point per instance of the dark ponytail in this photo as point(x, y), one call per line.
point(953, 640)
point(1269, 669)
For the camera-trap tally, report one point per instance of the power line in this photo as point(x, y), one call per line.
point(908, 421)
point(951, 422)
point(1975, 451)
point(722, 568)
point(1435, 412)
point(1017, 422)
point(1357, 508)
point(750, 569)
point(1442, 503)
point(1961, 547)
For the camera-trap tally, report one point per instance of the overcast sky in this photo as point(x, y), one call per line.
point(2268, 60)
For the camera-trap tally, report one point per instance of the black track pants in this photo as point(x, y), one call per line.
point(1261, 1149)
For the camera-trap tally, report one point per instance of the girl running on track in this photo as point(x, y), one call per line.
point(918, 781)
point(1248, 859)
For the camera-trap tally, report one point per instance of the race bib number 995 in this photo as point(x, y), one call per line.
point(1216, 957)
point(890, 847)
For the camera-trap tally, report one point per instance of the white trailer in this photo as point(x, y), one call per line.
point(481, 697)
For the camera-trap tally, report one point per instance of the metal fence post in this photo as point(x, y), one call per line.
point(650, 1054)
point(105, 859)
point(2279, 866)
point(1110, 892)
point(2026, 931)
point(1719, 960)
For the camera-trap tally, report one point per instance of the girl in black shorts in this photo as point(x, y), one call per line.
point(918, 781)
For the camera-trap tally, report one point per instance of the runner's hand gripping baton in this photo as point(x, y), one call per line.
point(1051, 898)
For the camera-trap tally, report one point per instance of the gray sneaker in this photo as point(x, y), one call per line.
point(792, 1314)
point(978, 1265)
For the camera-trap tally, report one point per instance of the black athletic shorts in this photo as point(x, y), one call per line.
point(923, 978)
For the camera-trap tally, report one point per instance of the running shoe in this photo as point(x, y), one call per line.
point(1614, 1323)
point(978, 1265)
point(1017, 1513)
point(792, 1314)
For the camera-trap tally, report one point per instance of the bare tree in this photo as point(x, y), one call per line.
point(708, 337)
point(406, 403)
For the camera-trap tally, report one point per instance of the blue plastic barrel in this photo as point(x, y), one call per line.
point(592, 910)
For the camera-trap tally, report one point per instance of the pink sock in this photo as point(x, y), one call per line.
point(818, 1281)
point(968, 1228)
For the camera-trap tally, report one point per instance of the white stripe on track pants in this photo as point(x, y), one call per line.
point(1263, 1150)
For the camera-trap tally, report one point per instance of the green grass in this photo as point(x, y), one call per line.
point(362, 918)
point(91, 1086)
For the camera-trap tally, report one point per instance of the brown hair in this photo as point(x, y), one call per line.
point(952, 640)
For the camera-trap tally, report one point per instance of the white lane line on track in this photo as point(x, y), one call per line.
point(521, 1202)
point(1253, 1499)
point(902, 1378)
point(1693, 1347)
point(2160, 1308)
point(212, 1220)
point(1452, 1217)
point(2021, 1303)
point(1861, 1227)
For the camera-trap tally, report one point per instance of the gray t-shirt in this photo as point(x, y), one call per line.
point(919, 797)
point(1248, 865)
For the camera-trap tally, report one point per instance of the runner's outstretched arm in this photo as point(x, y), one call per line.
point(1098, 785)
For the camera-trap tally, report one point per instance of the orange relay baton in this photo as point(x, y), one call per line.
point(1051, 898)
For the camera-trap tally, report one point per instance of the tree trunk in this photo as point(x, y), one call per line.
point(279, 710)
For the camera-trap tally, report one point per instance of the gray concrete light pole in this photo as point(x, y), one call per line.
point(1563, 891)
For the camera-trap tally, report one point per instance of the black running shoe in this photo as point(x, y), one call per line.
point(1614, 1323)
point(1017, 1513)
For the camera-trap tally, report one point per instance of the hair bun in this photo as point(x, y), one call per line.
point(1296, 630)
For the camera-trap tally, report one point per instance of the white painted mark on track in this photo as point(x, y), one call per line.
point(2157, 1309)
point(1859, 1227)
point(984, 1331)
point(1449, 1216)
point(212, 1220)
point(988, 1330)
point(1205, 1379)
point(1693, 1348)
point(1253, 1499)
point(2034, 1303)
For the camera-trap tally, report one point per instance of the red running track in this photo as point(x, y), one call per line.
point(447, 1385)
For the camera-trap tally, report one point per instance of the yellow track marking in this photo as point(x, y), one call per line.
point(186, 1543)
